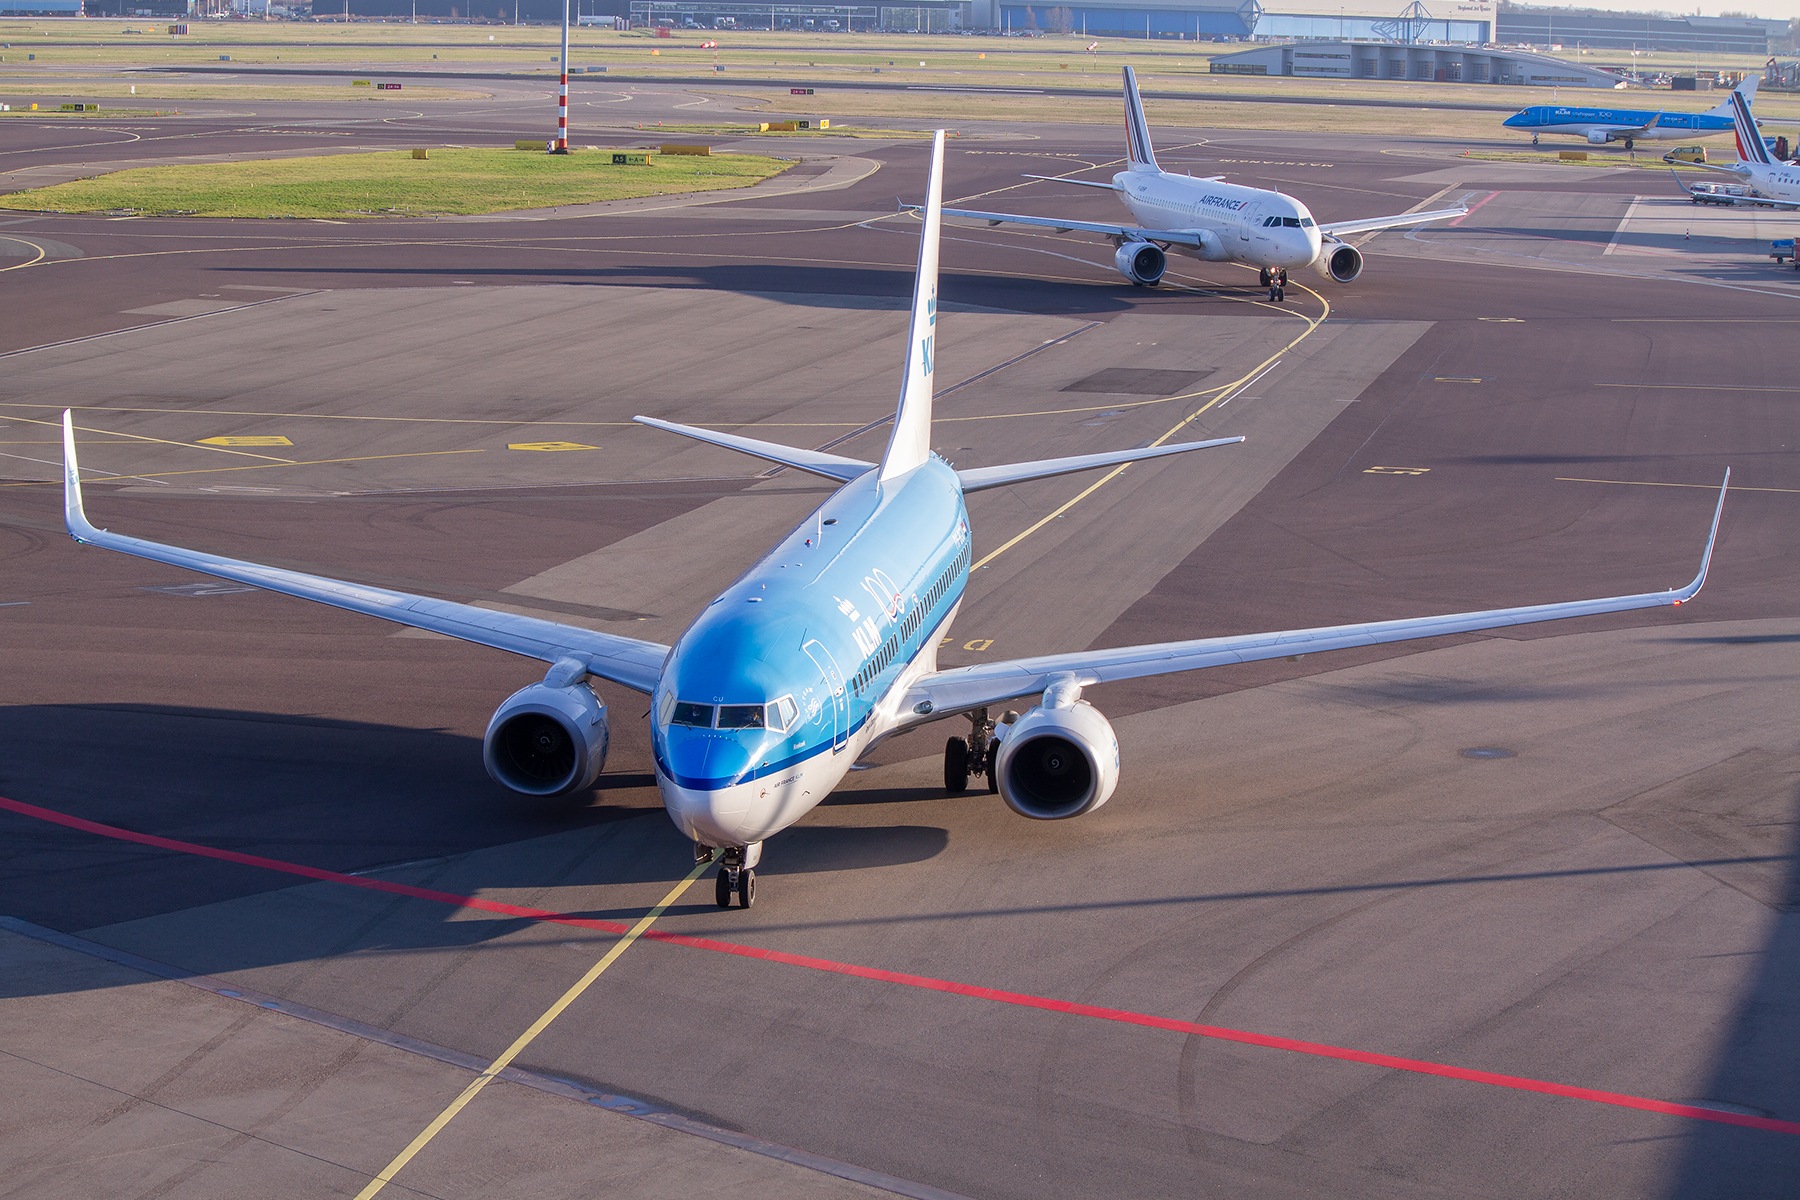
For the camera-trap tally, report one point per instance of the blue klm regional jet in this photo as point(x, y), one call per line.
point(829, 644)
point(1602, 125)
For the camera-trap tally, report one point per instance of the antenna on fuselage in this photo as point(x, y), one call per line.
point(910, 444)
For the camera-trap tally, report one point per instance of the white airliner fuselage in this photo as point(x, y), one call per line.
point(1253, 226)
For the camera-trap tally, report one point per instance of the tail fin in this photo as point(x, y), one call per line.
point(910, 444)
point(1748, 88)
point(1750, 145)
point(1137, 130)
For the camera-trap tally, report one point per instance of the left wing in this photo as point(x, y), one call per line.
point(1345, 228)
point(943, 693)
point(628, 661)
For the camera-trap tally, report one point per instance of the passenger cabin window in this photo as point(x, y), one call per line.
point(697, 715)
point(740, 716)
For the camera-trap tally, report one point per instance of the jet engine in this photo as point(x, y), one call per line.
point(1338, 261)
point(1598, 137)
point(1140, 262)
point(1061, 759)
point(547, 740)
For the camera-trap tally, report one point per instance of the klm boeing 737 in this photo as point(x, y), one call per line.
point(1210, 220)
point(1631, 126)
point(828, 645)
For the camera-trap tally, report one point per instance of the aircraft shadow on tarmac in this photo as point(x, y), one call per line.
point(342, 796)
point(773, 281)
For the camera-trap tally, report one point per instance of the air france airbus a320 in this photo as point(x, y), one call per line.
point(828, 645)
point(1773, 183)
point(1211, 220)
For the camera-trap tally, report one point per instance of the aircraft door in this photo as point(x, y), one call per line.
point(838, 701)
point(1249, 215)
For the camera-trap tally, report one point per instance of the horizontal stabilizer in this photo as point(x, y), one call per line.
point(978, 479)
point(816, 462)
point(1111, 187)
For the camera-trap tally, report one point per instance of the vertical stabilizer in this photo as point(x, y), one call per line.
point(910, 445)
point(1137, 130)
point(1750, 145)
point(1748, 90)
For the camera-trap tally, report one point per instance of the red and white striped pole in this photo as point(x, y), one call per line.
point(561, 144)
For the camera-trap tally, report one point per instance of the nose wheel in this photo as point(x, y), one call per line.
point(737, 876)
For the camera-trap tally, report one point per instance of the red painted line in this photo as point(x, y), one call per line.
point(275, 864)
point(926, 983)
point(1471, 211)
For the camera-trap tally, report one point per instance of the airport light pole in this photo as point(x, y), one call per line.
point(561, 143)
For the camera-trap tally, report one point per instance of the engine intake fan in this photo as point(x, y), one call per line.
point(547, 740)
point(1059, 760)
point(1141, 262)
point(1338, 261)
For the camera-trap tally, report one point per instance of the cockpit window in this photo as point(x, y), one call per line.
point(781, 713)
point(1291, 222)
point(698, 715)
point(1306, 222)
point(740, 716)
point(1268, 221)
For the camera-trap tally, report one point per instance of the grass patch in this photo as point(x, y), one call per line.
point(92, 90)
point(454, 181)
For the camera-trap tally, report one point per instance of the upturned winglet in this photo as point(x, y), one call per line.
point(1687, 593)
point(73, 515)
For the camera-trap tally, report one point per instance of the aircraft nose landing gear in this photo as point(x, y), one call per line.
point(737, 875)
point(1277, 285)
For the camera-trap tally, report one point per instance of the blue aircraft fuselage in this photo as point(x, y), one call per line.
point(788, 676)
point(1548, 118)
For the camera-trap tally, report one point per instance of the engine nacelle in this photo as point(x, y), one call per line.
point(547, 741)
point(1598, 137)
point(1338, 261)
point(1140, 262)
point(1058, 762)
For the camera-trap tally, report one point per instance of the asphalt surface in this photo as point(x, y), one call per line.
point(1534, 404)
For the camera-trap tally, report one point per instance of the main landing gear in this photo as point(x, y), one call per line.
point(737, 873)
point(1630, 145)
point(973, 755)
point(1276, 282)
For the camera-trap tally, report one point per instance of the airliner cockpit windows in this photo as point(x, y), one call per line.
point(700, 716)
point(1291, 222)
point(1306, 222)
point(1268, 221)
point(740, 716)
point(782, 713)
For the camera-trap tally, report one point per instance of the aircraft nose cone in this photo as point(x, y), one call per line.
point(706, 760)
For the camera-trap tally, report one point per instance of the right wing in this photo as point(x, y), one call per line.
point(1177, 237)
point(628, 661)
point(944, 693)
point(1345, 228)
